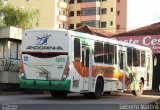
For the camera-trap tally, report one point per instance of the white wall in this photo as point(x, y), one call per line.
point(142, 12)
point(11, 32)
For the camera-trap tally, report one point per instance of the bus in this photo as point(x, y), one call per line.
point(65, 61)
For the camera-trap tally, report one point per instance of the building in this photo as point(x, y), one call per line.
point(94, 31)
point(52, 13)
point(10, 54)
point(108, 15)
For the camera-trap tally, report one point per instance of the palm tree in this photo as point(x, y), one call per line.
point(18, 17)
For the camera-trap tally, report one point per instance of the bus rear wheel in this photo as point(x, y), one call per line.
point(58, 94)
point(98, 90)
point(140, 89)
point(107, 93)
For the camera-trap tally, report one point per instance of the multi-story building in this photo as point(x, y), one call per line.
point(52, 13)
point(109, 15)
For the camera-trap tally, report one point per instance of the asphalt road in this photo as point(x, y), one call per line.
point(120, 101)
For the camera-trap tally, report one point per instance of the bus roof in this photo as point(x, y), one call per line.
point(111, 40)
point(94, 37)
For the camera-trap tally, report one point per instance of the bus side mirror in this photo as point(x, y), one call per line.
point(155, 61)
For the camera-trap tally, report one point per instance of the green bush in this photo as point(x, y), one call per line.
point(158, 103)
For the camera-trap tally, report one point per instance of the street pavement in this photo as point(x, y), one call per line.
point(74, 101)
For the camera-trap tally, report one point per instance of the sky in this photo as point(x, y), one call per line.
point(142, 12)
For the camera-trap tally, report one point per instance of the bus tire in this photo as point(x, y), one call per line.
point(58, 94)
point(98, 90)
point(140, 89)
point(107, 93)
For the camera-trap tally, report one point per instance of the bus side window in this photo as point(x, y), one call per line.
point(110, 54)
point(115, 54)
point(77, 53)
point(136, 57)
point(143, 59)
point(129, 56)
point(106, 51)
point(98, 52)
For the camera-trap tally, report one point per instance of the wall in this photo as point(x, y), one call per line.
point(46, 9)
point(10, 49)
point(9, 77)
point(11, 32)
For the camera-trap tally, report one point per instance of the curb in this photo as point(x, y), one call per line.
point(23, 92)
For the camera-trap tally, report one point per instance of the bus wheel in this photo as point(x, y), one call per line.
point(107, 93)
point(140, 89)
point(98, 90)
point(58, 94)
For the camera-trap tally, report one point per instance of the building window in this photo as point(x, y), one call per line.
point(2, 47)
point(71, 2)
point(37, 11)
point(91, 23)
point(13, 54)
point(118, 13)
point(77, 55)
point(103, 0)
point(19, 50)
point(118, 1)
point(104, 11)
point(37, 24)
point(15, 50)
point(78, 13)
point(88, 0)
point(103, 24)
point(66, 1)
point(79, 1)
point(111, 9)
point(71, 13)
point(98, 52)
point(78, 25)
point(118, 26)
point(71, 26)
point(90, 11)
point(111, 23)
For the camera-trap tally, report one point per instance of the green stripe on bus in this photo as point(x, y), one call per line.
point(84, 41)
point(128, 70)
point(133, 85)
point(45, 85)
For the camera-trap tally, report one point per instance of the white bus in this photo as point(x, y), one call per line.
point(64, 61)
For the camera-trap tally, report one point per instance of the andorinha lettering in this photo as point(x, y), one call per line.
point(44, 48)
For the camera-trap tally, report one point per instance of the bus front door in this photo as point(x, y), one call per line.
point(121, 57)
point(149, 72)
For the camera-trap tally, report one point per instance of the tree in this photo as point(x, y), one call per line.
point(18, 17)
